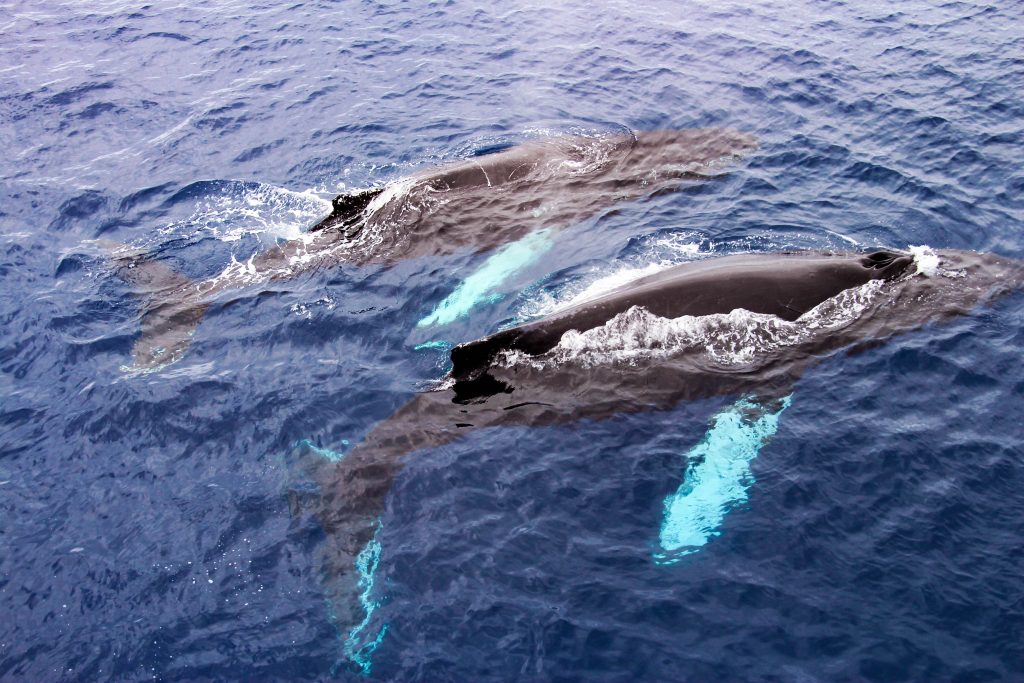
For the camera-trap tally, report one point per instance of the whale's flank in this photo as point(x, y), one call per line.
point(478, 204)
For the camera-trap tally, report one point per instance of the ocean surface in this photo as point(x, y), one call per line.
point(158, 524)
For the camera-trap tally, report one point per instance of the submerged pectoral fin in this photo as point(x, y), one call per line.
point(353, 595)
point(480, 286)
point(348, 498)
point(717, 477)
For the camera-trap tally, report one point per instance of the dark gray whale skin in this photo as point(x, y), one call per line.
point(496, 198)
point(786, 286)
point(476, 204)
point(484, 391)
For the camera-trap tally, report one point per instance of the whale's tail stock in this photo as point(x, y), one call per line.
point(345, 494)
point(172, 306)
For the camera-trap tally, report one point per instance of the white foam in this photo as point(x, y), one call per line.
point(926, 260)
point(259, 210)
point(609, 283)
point(726, 339)
point(843, 237)
point(305, 310)
point(680, 244)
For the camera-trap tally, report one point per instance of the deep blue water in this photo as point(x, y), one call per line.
point(149, 522)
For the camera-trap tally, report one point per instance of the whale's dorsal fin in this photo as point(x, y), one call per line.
point(347, 212)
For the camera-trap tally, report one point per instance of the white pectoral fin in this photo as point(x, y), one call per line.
point(479, 287)
point(717, 477)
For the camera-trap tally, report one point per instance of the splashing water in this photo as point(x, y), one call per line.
point(724, 339)
point(926, 260)
point(235, 210)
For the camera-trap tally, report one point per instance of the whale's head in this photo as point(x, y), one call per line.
point(961, 280)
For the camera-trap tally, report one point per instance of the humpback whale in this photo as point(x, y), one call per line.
point(477, 204)
point(744, 325)
point(786, 286)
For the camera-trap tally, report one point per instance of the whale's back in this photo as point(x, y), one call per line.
point(783, 285)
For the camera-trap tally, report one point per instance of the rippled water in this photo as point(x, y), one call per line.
point(159, 524)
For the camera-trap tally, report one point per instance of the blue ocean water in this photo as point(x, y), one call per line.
point(155, 525)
